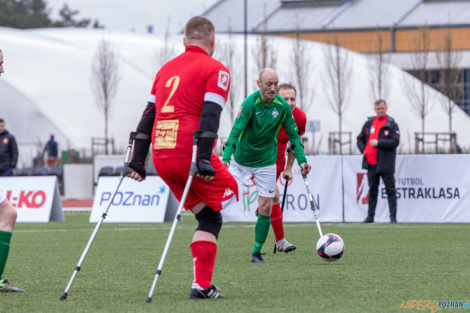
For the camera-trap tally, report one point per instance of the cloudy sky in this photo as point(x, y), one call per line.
point(135, 15)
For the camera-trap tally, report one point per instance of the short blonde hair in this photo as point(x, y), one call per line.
point(199, 28)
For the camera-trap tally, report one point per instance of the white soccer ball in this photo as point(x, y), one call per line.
point(330, 247)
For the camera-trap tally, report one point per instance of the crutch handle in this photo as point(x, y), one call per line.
point(126, 168)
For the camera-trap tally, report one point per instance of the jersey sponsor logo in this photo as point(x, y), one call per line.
point(275, 113)
point(5, 141)
point(224, 79)
point(166, 133)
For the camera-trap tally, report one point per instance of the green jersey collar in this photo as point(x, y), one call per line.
point(274, 101)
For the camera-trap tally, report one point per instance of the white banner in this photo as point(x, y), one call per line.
point(35, 198)
point(144, 202)
point(325, 184)
point(430, 188)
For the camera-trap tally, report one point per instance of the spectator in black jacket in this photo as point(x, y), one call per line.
point(8, 151)
point(378, 141)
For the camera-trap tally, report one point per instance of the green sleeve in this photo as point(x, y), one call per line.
point(238, 127)
point(291, 130)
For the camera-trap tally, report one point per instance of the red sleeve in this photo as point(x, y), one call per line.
point(300, 121)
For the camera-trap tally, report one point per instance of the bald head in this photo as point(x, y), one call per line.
point(199, 31)
point(267, 72)
point(268, 82)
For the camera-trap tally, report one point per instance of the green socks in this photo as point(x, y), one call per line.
point(261, 232)
point(5, 238)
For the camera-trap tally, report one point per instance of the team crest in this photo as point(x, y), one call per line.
point(224, 79)
point(5, 141)
point(275, 113)
point(386, 132)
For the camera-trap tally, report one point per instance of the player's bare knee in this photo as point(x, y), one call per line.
point(209, 221)
point(8, 216)
point(276, 196)
point(264, 206)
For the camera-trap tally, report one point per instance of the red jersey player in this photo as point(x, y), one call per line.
point(288, 92)
point(187, 97)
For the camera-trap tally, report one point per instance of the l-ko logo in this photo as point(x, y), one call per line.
point(130, 198)
point(27, 199)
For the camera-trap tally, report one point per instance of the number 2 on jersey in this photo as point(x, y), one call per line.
point(173, 82)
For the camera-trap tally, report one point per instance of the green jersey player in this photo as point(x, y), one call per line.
point(253, 143)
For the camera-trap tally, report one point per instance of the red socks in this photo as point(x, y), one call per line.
point(204, 259)
point(276, 221)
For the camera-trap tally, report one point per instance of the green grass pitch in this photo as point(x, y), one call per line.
point(383, 265)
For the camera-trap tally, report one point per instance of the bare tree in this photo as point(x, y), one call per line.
point(379, 75)
point(301, 66)
point(104, 81)
point(419, 97)
point(168, 51)
point(227, 55)
point(338, 74)
point(449, 73)
point(263, 52)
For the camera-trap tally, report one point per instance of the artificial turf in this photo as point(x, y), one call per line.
point(383, 266)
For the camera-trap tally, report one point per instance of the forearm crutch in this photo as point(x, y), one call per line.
point(192, 172)
point(124, 172)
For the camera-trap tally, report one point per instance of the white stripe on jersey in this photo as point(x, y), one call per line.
point(151, 98)
point(213, 97)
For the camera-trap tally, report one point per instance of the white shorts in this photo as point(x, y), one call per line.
point(2, 196)
point(264, 177)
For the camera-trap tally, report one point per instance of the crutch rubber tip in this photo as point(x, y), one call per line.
point(149, 299)
point(63, 296)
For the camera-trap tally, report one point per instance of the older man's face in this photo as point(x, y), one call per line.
point(268, 85)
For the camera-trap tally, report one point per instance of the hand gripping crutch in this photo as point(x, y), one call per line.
point(283, 203)
point(192, 172)
point(313, 205)
point(124, 172)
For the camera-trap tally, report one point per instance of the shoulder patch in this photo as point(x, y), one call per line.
point(224, 79)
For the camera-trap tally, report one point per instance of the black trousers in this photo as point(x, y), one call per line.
point(389, 180)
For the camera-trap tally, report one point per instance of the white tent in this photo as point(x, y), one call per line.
point(46, 87)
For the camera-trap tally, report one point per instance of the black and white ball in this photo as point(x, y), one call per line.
point(330, 247)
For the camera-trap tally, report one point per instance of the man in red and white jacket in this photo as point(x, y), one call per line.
point(378, 141)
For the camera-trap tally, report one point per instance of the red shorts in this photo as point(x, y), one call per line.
point(175, 173)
